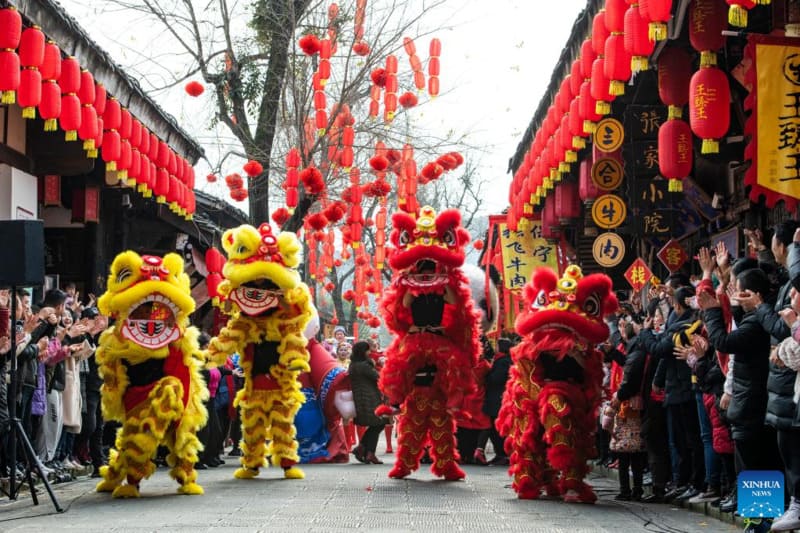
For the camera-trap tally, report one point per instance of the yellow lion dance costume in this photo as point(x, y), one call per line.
point(150, 369)
point(270, 308)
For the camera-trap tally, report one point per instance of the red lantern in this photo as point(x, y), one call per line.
point(674, 74)
point(637, 40)
point(587, 189)
point(253, 168)
point(658, 12)
point(50, 106)
point(194, 88)
point(280, 216)
point(600, 86)
point(433, 67)
point(361, 48)
point(567, 202)
point(599, 36)
point(10, 35)
point(550, 226)
point(310, 44)
point(617, 66)
point(707, 21)
point(615, 15)
point(588, 56)
point(408, 99)
point(737, 12)
point(675, 152)
point(161, 188)
point(31, 56)
point(70, 82)
point(709, 106)
point(86, 95)
point(587, 108)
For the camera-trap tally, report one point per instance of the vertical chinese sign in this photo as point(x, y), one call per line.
point(638, 274)
point(774, 125)
point(524, 251)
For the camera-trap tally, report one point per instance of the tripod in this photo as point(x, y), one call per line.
point(17, 432)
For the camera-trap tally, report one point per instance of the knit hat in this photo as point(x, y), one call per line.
point(337, 329)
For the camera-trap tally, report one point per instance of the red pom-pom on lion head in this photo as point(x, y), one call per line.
point(574, 304)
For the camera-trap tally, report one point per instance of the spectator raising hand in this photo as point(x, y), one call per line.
point(707, 300)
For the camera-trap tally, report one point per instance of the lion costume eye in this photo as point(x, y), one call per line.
point(241, 249)
point(449, 238)
point(403, 238)
point(591, 306)
point(540, 301)
point(124, 274)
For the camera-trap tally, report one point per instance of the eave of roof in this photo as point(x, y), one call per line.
point(65, 31)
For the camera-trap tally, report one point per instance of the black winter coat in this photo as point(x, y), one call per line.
point(750, 347)
point(633, 371)
point(677, 374)
point(496, 384)
point(366, 396)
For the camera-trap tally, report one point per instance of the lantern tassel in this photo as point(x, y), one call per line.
point(92, 154)
point(639, 64)
point(589, 126)
point(763, 2)
point(88, 144)
point(355, 245)
point(710, 146)
point(675, 112)
point(737, 16)
point(161, 199)
point(141, 188)
point(9, 97)
point(578, 142)
point(708, 58)
point(148, 193)
point(657, 31)
point(111, 166)
point(71, 135)
point(616, 87)
point(50, 124)
point(570, 156)
point(675, 185)
point(29, 112)
point(602, 108)
point(527, 209)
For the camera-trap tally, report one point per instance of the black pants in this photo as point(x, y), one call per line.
point(467, 441)
point(634, 461)
point(789, 447)
point(729, 471)
point(498, 442)
point(211, 434)
point(654, 430)
point(759, 452)
point(92, 429)
point(686, 427)
point(369, 440)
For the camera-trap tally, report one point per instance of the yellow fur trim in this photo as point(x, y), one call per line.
point(294, 473)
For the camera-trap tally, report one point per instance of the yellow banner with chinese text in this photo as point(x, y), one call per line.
point(524, 250)
point(778, 86)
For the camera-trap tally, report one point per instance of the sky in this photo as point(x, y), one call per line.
point(497, 60)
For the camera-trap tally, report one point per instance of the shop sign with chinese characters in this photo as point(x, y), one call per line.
point(607, 173)
point(608, 250)
point(609, 211)
point(643, 121)
point(673, 255)
point(609, 135)
point(523, 251)
point(638, 274)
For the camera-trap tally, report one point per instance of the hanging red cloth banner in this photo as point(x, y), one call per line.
point(774, 123)
point(52, 190)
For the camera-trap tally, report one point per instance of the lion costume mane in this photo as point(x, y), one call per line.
point(150, 370)
point(270, 308)
point(550, 403)
point(429, 309)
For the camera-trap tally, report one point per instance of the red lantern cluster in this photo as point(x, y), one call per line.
point(434, 67)
point(292, 179)
point(10, 35)
point(415, 63)
point(31, 56)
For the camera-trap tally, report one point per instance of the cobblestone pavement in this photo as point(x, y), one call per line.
point(339, 498)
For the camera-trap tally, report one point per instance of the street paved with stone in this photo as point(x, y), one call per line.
point(340, 498)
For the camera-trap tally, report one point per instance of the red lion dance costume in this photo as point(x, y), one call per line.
point(554, 389)
point(429, 364)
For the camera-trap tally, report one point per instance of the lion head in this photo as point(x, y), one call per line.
point(573, 304)
point(261, 267)
point(149, 297)
point(427, 247)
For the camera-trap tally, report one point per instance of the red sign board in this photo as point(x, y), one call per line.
point(86, 204)
point(673, 255)
point(638, 274)
point(52, 190)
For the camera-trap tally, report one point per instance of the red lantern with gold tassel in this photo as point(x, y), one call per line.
point(390, 89)
point(587, 188)
point(324, 61)
point(674, 73)
point(707, 21)
point(709, 106)
point(70, 83)
point(31, 57)
point(737, 12)
point(587, 58)
point(433, 67)
point(588, 108)
point(10, 35)
point(415, 63)
point(658, 13)
point(111, 138)
point(50, 106)
point(87, 131)
point(637, 40)
point(292, 178)
point(675, 152)
point(124, 161)
point(617, 65)
point(380, 235)
point(600, 87)
point(615, 15)
point(575, 124)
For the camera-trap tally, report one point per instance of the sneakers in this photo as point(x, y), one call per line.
point(479, 457)
point(710, 495)
point(729, 506)
point(790, 519)
point(623, 497)
point(675, 492)
point(688, 494)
